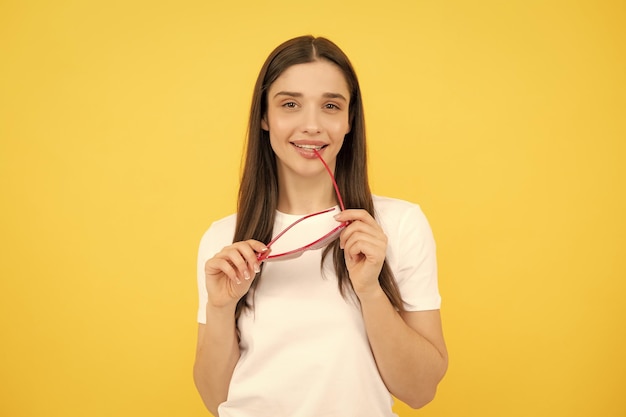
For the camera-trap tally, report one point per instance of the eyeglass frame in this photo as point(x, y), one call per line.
point(316, 244)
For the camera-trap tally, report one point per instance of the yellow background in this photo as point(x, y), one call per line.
point(121, 128)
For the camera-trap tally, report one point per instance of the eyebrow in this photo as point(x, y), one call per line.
point(325, 95)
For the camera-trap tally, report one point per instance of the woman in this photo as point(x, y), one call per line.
point(317, 332)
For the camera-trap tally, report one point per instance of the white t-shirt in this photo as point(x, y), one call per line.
point(304, 349)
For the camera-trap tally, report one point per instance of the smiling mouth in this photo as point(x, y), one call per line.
point(310, 147)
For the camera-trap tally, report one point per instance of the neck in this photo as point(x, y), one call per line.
point(299, 195)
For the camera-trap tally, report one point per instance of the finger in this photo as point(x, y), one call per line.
point(259, 251)
point(363, 252)
point(257, 246)
point(359, 243)
point(362, 229)
point(234, 257)
point(250, 250)
point(215, 266)
point(246, 259)
point(352, 215)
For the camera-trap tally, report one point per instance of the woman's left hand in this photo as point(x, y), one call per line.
point(365, 246)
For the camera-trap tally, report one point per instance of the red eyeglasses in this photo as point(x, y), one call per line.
point(316, 244)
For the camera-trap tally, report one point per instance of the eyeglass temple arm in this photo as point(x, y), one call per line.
point(332, 177)
point(295, 223)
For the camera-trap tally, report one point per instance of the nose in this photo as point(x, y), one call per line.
point(311, 122)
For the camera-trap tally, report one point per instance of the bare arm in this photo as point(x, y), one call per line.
point(217, 354)
point(409, 348)
point(229, 275)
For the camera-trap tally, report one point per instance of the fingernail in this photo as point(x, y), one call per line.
point(265, 249)
point(246, 275)
point(336, 216)
point(257, 268)
point(237, 280)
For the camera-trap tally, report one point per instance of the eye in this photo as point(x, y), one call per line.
point(289, 105)
point(331, 106)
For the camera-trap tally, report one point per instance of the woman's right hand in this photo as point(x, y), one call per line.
point(229, 274)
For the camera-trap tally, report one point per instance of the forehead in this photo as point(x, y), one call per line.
point(313, 78)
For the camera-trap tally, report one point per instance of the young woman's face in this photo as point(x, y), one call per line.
point(307, 107)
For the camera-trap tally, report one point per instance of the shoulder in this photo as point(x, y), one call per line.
point(386, 204)
point(411, 252)
point(224, 224)
point(404, 223)
point(218, 235)
point(393, 213)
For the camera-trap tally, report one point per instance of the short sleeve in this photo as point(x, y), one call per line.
point(411, 254)
point(219, 235)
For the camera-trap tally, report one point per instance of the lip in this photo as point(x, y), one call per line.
point(303, 142)
point(307, 152)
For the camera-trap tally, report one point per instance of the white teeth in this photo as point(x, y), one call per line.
point(317, 148)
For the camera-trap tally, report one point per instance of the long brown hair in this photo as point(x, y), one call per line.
point(256, 206)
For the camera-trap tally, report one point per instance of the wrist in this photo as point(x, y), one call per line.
point(374, 293)
point(223, 312)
